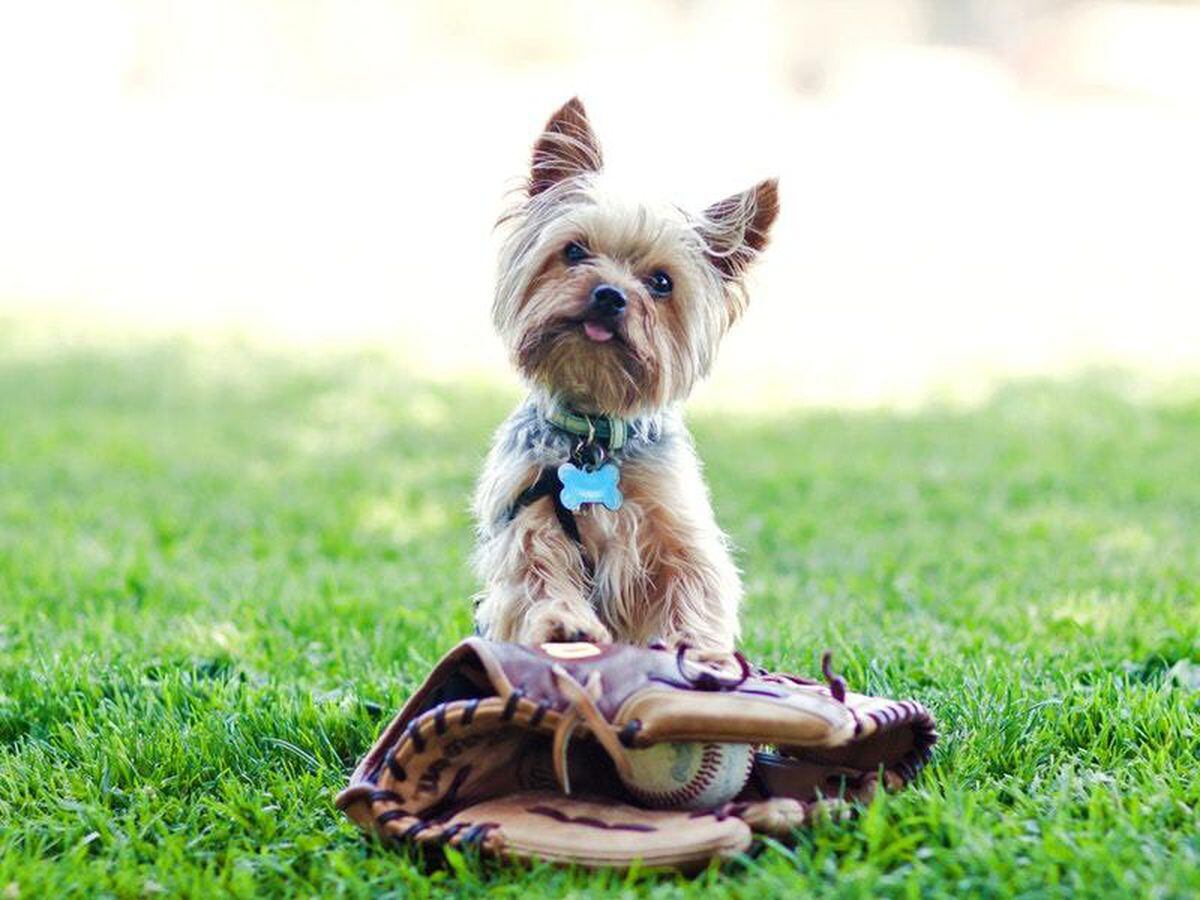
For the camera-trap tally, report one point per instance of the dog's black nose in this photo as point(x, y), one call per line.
point(608, 300)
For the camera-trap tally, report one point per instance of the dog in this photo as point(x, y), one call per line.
point(593, 521)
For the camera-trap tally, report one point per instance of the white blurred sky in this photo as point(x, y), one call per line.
point(970, 189)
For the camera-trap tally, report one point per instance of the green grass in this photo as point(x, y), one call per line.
point(221, 571)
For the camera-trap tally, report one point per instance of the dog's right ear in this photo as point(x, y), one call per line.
point(567, 147)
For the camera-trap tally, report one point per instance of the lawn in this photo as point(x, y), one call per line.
point(222, 569)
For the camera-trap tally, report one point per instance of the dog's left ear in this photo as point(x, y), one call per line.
point(735, 229)
point(567, 147)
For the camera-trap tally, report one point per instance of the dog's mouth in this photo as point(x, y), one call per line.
point(598, 330)
point(589, 357)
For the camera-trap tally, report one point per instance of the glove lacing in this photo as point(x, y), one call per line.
point(583, 710)
point(707, 679)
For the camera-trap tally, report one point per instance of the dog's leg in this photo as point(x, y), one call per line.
point(692, 589)
point(699, 591)
point(535, 585)
point(689, 592)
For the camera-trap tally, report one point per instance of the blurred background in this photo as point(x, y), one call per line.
point(971, 190)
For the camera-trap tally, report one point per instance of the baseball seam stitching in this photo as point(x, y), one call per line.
point(706, 774)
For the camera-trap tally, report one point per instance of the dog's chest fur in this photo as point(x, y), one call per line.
point(631, 551)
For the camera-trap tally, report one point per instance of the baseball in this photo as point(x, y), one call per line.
point(688, 775)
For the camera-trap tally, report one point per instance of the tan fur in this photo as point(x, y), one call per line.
point(537, 587)
point(662, 567)
point(659, 566)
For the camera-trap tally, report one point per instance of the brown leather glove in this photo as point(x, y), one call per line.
point(520, 751)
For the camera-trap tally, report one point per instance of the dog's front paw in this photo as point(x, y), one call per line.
point(564, 625)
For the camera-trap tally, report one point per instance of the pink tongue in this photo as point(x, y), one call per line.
point(597, 332)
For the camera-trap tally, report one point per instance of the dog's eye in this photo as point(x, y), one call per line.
point(575, 253)
point(659, 284)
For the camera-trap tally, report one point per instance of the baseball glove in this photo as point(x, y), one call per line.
point(525, 752)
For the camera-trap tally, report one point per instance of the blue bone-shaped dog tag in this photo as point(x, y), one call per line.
point(580, 486)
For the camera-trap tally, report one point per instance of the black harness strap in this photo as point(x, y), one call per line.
point(548, 484)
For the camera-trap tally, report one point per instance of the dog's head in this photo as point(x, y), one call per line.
point(618, 307)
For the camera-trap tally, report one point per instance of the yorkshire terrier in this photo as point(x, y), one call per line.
point(594, 523)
